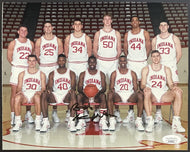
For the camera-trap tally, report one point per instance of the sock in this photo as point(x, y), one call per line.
point(176, 117)
point(149, 117)
point(158, 111)
point(38, 117)
point(17, 118)
point(102, 111)
point(45, 119)
point(139, 118)
point(12, 114)
point(80, 113)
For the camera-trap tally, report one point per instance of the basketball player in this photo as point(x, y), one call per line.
point(60, 89)
point(169, 47)
point(17, 55)
point(107, 49)
point(124, 88)
point(136, 47)
point(78, 47)
point(154, 79)
point(92, 76)
point(31, 83)
point(47, 49)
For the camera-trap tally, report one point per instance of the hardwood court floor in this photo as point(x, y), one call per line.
point(92, 137)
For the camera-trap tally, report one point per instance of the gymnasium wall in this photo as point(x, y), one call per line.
point(182, 67)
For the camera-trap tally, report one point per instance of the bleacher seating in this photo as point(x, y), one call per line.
point(12, 16)
point(61, 15)
point(177, 14)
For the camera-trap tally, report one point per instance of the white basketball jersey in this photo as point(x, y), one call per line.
point(31, 82)
point(77, 49)
point(157, 79)
point(123, 82)
point(21, 52)
point(48, 50)
point(92, 79)
point(107, 45)
point(62, 82)
point(136, 46)
point(167, 50)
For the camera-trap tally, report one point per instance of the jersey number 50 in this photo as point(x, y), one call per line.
point(107, 44)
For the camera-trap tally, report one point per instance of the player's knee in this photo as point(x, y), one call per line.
point(17, 98)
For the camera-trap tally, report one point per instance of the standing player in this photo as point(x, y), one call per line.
point(61, 88)
point(47, 49)
point(124, 88)
point(107, 49)
point(78, 47)
point(155, 78)
point(96, 77)
point(136, 47)
point(31, 83)
point(17, 55)
point(169, 47)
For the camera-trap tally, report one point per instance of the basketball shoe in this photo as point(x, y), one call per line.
point(139, 124)
point(71, 125)
point(176, 124)
point(55, 117)
point(158, 117)
point(103, 123)
point(45, 126)
point(118, 117)
point(17, 126)
point(130, 117)
point(112, 124)
point(28, 117)
point(150, 125)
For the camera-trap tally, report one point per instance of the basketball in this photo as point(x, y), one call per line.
point(90, 90)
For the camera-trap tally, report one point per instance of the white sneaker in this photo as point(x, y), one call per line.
point(55, 117)
point(118, 117)
point(176, 125)
point(81, 123)
point(150, 125)
point(87, 116)
point(130, 117)
point(28, 117)
point(97, 116)
point(112, 124)
point(139, 124)
point(158, 118)
point(38, 124)
point(71, 125)
point(45, 127)
point(103, 123)
point(67, 115)
point(17, 126)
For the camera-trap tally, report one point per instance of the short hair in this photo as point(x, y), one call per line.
point(133, 17)
point(22, 25)
point(77, 19)
point(61, 55)
point(92, 57)
point(107, 14)
point(45, 22)
point(122, 56)
point(32, 56)
point(154, 51)
point(164, 20)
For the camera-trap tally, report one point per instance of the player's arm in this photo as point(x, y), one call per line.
point(80, 82)
point(178, 48)
point(37, 49)
point(60, 46)
point(43, 81)
point(134, 78)
point(66, 46)
point(118, 35)
point(50, 81)
point(10, 51)
point(154, 43)
point(125, 45)
point(112, 81)
point(144, 74)
point(96, 44)
point(89, 45)
point(169, 78)
point(147, 43)
point(73, 80)
point(20, 82)
point(32, 44)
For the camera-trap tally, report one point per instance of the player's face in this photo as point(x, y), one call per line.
point(156, 58)
point(23, 32)
point(92, 64)
point(163, 27)
point(77, 26)
point(32, 62)
point(122, 62)
point(135, 22)
point(61, 62)
point(107, 20)
point(48, 28)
